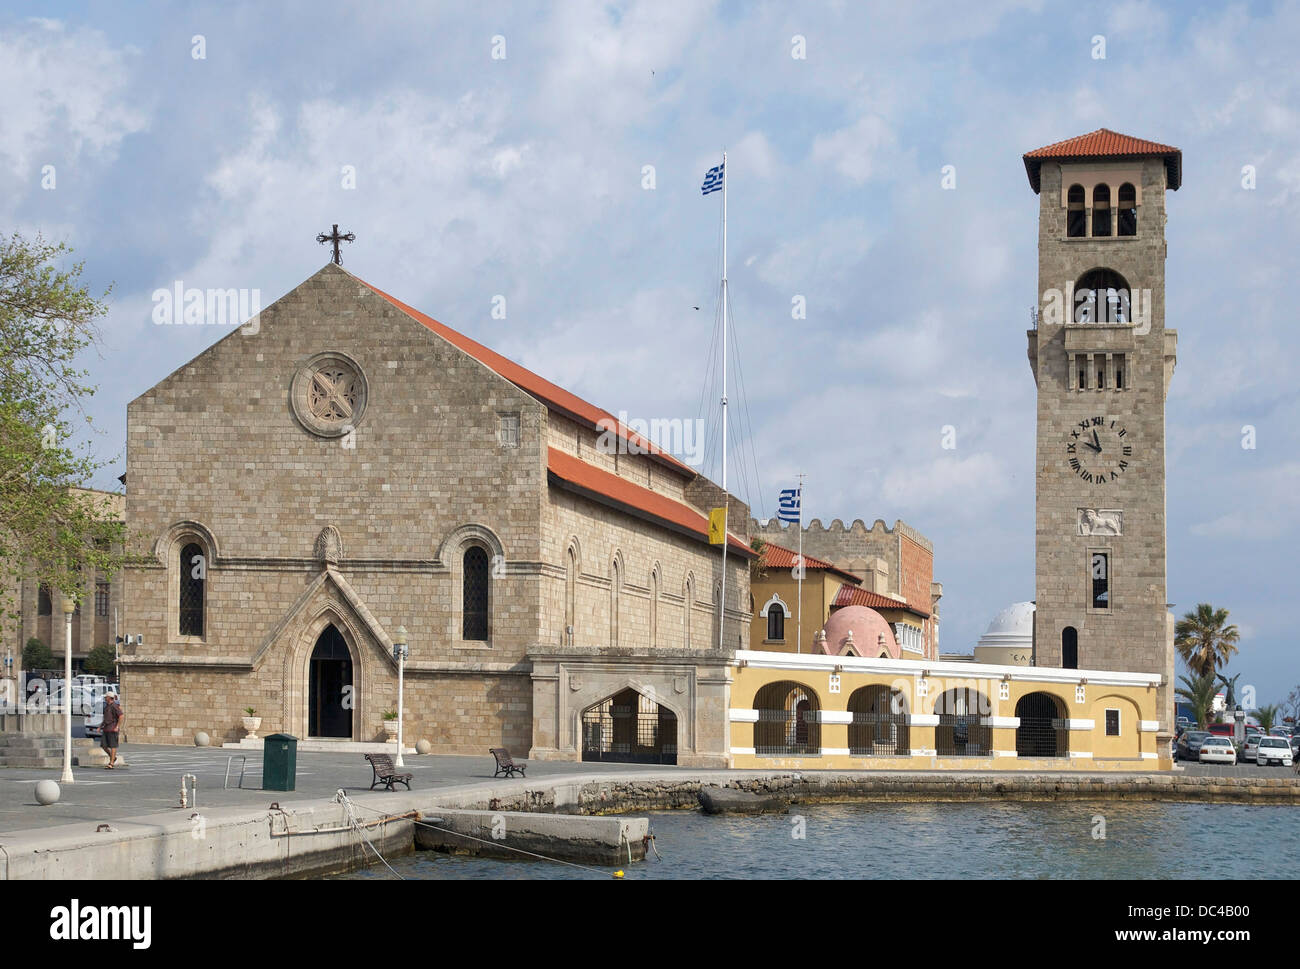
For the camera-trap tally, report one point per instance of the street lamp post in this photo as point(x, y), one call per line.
point(399, 653)
point(69, 607)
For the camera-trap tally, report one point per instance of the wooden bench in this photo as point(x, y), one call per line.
point(382, 765)
point(506, 764)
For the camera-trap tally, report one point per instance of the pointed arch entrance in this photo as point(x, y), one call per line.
point(629, 728)
point(329, 686)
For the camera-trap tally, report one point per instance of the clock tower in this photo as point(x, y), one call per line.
point(1102, 359)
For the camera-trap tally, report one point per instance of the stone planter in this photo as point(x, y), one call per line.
point(390, 729)
point(251, 724)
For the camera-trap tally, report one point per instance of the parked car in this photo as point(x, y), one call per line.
point(1281, 732)
point(1220, 729)
point(1273, 750)
point(1189, 745)
point(1251, 745)
point(1295, 746)
point(1217, 750)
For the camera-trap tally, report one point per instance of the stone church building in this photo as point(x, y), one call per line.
point(345, 465)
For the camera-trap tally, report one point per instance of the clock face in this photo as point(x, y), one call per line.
point(1099, 449)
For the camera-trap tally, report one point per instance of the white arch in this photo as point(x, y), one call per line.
point(775, 600)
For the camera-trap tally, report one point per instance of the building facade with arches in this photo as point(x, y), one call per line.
point(345, 465)
point(820, 712)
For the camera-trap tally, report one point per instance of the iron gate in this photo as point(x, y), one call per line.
point(787, 724)
point(879, 725)
point(629, 728)
point(1042, 731)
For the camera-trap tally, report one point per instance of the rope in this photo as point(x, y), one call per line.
point(343, 799)
point(500, 844)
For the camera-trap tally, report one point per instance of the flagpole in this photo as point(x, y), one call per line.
point(798, 643)
point(726, 500)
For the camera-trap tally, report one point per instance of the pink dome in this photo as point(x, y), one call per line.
point(866, 625)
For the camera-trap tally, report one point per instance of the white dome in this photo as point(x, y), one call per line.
point(1013, 626)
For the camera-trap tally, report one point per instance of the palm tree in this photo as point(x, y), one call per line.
point(1199, 693)
point(1267, 716)
point(1204, 639)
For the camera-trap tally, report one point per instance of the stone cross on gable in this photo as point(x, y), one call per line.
point(335, 238)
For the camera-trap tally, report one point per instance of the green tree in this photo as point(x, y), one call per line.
point(37, 656)
point(49, 530)
point(1199, 693)
point(102, 660)
point(1204, 639)
point(1267, 716)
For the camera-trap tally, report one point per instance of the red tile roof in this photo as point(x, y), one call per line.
point(852, 596)
point(1104, 143)
point(610, 489)
point(779, 557)
point(554, 397)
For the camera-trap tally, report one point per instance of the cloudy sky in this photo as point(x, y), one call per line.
point(524, 176)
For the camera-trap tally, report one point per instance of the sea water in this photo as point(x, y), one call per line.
point(986, 839)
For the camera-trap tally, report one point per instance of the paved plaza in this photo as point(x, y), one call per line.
point(152, 782)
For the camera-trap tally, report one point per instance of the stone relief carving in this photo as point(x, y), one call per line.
point(329, 546)
point(1101, 521)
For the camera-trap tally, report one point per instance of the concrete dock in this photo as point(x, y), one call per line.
point(129, 823)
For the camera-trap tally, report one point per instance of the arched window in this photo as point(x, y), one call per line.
point(654, 607)
point(1128, 210)
point(570, 590)
point(615, 588)
point(1070, 648)
point(44, 605)
point(1076, 218)
point(775, 623)
point(1101, 210)
point(474, 595)
point(1102, 296)
point(193, 576)
point(687, 606)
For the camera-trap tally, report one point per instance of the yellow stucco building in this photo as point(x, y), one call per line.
point(821, 712)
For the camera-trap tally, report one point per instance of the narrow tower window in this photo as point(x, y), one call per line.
point(1076, 218)
point(1070, 648)
point(1100, 570)
point(1128, 212)
point(1101, 210)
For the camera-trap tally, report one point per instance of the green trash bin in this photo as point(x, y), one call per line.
point(279, 762)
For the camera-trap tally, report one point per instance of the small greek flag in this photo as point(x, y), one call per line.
point(788, 505)
point(712, 180)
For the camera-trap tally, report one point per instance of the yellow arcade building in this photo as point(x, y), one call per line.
point(847, 712)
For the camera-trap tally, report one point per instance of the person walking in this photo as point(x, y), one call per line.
point(113, 718)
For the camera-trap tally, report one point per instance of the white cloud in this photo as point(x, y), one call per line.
point(855, 151)
point(64, 93)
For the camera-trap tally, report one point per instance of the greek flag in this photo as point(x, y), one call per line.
point(712, 180)
point(788, 505)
